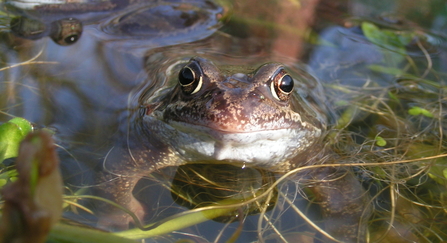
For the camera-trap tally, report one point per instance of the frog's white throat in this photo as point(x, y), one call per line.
point(267, 149)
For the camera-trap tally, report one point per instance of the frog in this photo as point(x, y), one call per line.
point(265, 118)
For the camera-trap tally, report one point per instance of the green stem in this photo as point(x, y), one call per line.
point(62, 233)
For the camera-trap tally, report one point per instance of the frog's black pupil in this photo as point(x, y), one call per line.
point(186, 76)
point(286, 84)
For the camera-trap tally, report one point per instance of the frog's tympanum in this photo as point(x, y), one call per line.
point(266, 119)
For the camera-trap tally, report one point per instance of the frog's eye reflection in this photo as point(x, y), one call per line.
point(66, 40)
point(282, 85)
point(66, 31)
point(190, 78)
point(71, 39)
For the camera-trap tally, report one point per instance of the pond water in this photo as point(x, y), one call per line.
point(87, 70)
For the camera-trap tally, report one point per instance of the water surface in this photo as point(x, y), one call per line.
point(87, 91)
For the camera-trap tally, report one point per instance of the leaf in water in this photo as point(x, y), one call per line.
point(9, 175)
point(11, 134)
point(373, 33)
point(416, 110)
point(3, 182)
point(393, 42)
point(380, 141)
point(33, 205)
point(427, 113)
point(23, 124)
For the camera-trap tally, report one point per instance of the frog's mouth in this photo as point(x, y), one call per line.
point(267, 149)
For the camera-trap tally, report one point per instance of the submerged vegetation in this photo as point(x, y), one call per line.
point(397, 135)
point(395, 138)
point(393, 135)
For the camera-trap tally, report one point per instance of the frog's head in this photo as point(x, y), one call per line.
point(256, 119)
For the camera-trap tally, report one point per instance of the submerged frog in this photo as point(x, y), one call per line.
point(264, 119)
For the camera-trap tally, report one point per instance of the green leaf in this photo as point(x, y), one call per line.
point(9, 175)
point(373, 33)
point(11, 134)
point(3, 182)
point(426, 113)
point(24, 125)
point(10, 137)
point(380, 141)
point(416, 110)
point(393, 42)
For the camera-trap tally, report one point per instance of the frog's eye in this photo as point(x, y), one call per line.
point(281, 85)
point(190, 78)
point(66, 31)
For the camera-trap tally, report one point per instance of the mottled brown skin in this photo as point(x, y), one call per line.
point(256, 120)
point(237, 103)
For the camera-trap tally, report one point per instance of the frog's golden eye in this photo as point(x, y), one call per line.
point(66, 31)
point(281, 85)
point(190, 78)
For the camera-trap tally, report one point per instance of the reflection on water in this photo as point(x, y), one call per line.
point(140, 23)
point(377, 60)
point(63, 32)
